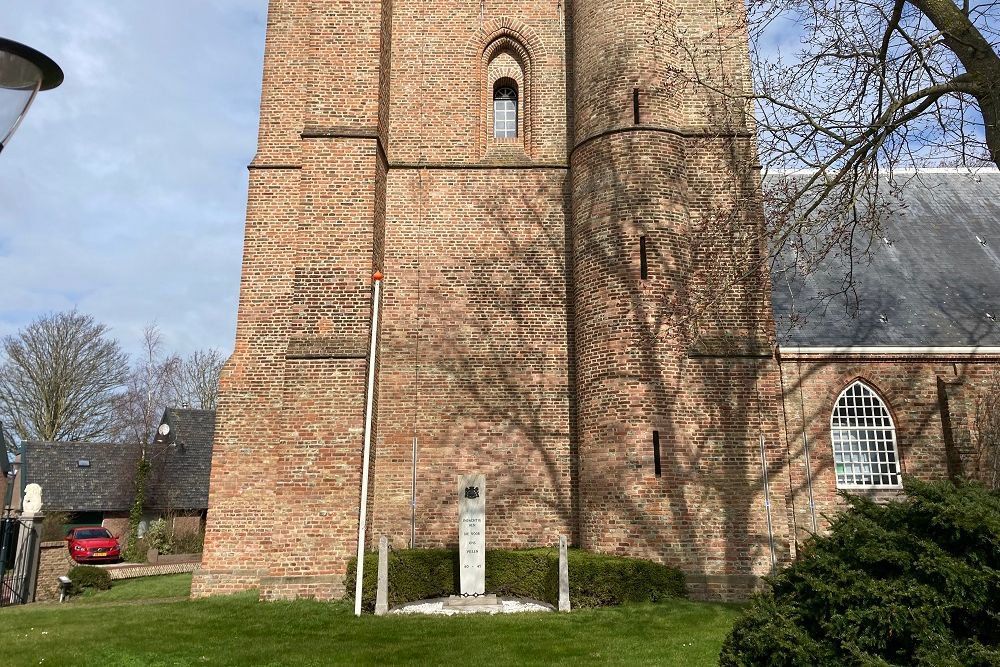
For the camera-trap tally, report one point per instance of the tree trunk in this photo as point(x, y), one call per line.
point(977, 56)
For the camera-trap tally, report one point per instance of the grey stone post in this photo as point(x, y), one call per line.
point(29, 553)
point(382, 591)
point(563, 575)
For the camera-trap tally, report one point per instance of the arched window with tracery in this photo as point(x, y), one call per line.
point(505, 109)
point(864, 440)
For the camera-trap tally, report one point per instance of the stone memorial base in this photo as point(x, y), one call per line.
point(484, 603)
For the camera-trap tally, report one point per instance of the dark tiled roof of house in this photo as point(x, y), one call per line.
point(937, 284)
point(179, 475)
point(181, 479)
point(68, 484)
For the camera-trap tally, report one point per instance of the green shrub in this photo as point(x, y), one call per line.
point(54, 526)
point(187, 543)
point(88, 576)
point(595, 580)
point(598, 580)
point(914, 582)
point(158, 536)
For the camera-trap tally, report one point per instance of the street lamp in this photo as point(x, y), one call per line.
point(23, 72)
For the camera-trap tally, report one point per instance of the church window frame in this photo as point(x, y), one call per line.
point(863, 439)
point(506, 109)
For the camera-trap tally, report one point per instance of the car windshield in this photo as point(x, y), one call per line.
point(91, 533)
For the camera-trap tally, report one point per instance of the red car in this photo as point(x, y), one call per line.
point(88, 544)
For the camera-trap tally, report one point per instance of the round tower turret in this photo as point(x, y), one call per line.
point(671, 404)
point(631, 258)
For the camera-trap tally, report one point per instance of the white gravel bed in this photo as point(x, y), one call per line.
point(437, 607)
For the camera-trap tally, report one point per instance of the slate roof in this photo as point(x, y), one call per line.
point(104, 486)
point(180, 469)
point(935, 285)
point(182, 476)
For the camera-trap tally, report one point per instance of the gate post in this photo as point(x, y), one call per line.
point(29, 553)
point(29, 548)
point(29, 545)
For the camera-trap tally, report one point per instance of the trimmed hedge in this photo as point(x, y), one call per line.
point(595, 580)
point(915, 582)
point(88, 576)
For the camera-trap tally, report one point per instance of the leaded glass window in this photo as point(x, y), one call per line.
point(864, 440)
point(505, 112)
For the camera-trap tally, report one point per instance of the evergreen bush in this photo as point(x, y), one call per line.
point(914, 582)
point(595, 580)
point(88, 576)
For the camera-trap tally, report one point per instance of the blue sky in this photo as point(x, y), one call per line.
point(123, 193)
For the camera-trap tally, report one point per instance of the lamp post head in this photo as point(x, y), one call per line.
point(23, 72)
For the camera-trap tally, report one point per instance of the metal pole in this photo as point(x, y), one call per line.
point(805, 449)
point(413, 497)
point(809, 479)
point(767, 506)
point(377, 277)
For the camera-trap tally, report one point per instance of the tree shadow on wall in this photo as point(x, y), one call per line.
point(510, 357)
point(704, 512)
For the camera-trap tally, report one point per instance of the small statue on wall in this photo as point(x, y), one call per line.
point(32, 499)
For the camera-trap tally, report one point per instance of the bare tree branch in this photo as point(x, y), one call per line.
point(844, 96)
point(149, 389)
point(59, 379)
point(198, 382)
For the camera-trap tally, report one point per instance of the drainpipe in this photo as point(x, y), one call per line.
point(366, 456)
point(767, 506)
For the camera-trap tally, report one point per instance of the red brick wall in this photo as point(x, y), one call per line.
point(291, 397)
point(915, 390)
point(117, 524)
point(686, 351)
point(474, 359)
point(187, 524)
point(517, 338)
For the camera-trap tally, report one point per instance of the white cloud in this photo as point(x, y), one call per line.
point(123, 193)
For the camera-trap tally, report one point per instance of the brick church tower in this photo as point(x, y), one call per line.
point(574, 303)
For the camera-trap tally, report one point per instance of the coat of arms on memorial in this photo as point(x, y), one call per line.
point(472, 492)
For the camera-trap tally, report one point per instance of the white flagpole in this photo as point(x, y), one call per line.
point(377, 278)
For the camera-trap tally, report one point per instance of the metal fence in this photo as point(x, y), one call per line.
point(18, 559)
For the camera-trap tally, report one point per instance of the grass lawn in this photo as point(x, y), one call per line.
point(136, 623)
point(146, 588)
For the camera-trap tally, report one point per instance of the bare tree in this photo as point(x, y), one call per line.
point(873, 86)
point(59, 379)
point(198, 379)
point(157, 381)
point(846, 95)
point(150, 387)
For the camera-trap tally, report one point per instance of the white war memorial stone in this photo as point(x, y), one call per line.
point(472, 534)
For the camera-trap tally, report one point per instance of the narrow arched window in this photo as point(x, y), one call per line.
point(864, 440)
point(505, 109)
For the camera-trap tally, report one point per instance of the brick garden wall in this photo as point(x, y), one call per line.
point(54, 562)
point(117, 525)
